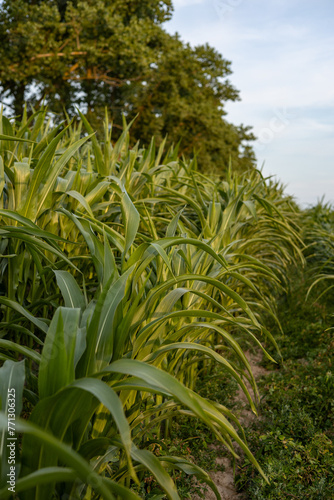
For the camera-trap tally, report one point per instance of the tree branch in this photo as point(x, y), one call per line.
point(59, 54)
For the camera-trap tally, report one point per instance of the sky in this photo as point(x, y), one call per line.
point(282, 54)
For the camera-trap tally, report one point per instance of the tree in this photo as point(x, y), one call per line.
point(115, 53)
point(183, 99)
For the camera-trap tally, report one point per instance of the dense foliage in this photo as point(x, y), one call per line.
point(293, 439)
point(90, 54)
point(123, 272)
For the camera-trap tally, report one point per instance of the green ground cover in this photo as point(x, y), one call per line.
point(293, 439)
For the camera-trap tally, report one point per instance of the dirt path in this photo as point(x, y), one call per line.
point(225, 480)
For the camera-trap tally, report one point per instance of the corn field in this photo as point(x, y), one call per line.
point(124, 271)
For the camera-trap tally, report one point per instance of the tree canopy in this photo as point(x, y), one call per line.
point(116, 54)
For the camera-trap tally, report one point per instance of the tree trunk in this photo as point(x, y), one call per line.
point(18, 90)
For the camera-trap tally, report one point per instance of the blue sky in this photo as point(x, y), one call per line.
point(282, 54)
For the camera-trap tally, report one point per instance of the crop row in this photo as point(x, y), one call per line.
point(124, 271)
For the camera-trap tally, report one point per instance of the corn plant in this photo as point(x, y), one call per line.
point(318, 235)
point(123, 271)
